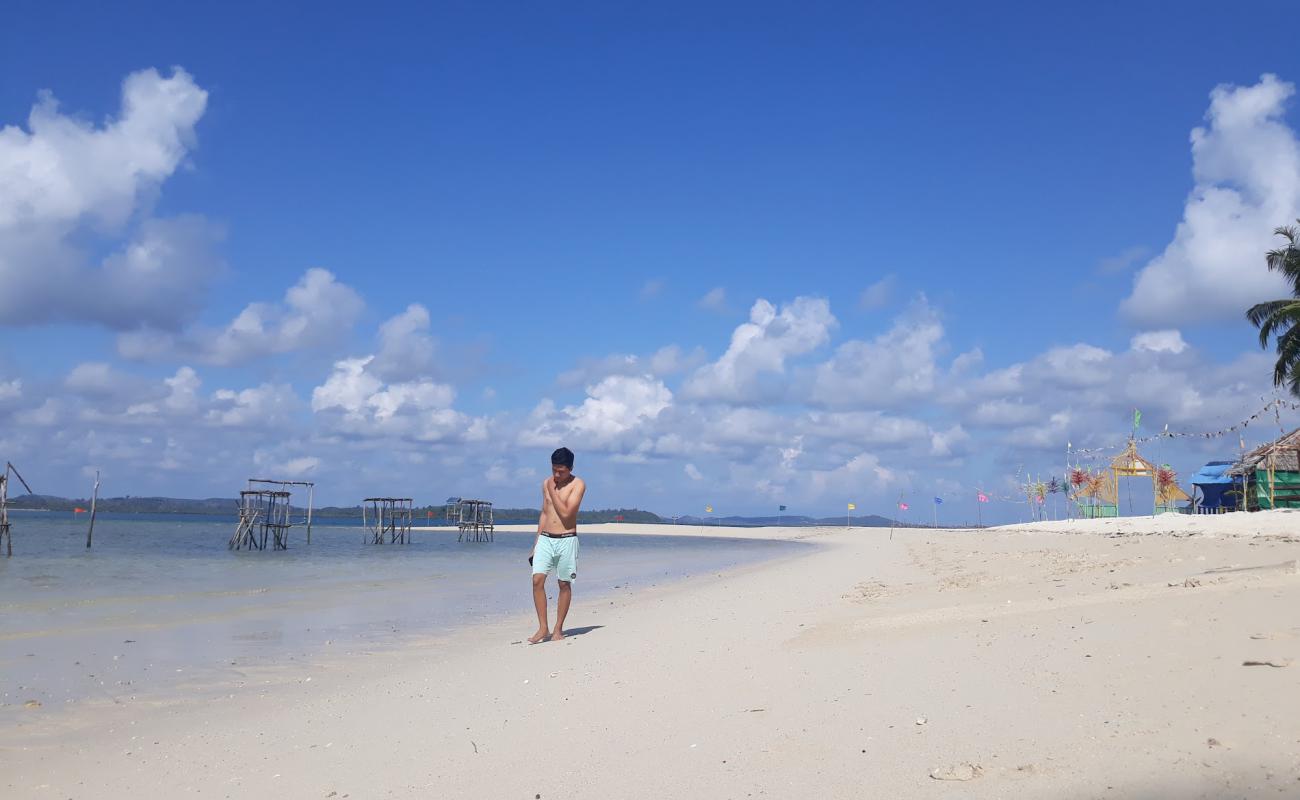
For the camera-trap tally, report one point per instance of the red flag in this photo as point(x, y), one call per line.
point(78, 511)
point(983, 498)
point(903, 506)
point(619, 518)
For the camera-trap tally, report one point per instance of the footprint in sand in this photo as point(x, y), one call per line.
point(867, 591)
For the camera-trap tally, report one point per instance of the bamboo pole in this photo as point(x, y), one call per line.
point(311, 491)
point(4, 514)
point(94, 498)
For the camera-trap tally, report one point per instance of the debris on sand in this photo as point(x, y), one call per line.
point(965, 771)
point(1276, 662)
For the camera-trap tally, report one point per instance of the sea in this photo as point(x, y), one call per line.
point(159, 603)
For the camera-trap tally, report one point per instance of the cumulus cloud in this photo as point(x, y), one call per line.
point(615, 407)
point(1246, 165)
point(896, 366)
point(754, 363)
point(316, 312)
point(353, 400)
point(70, 189)
point(1086, 394)
point(1168, 341)
point(268, 404)
point(406, 348)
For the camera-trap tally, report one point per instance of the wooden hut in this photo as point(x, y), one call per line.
point(1271, 473)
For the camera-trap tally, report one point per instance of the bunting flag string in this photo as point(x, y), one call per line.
point(1276, 405)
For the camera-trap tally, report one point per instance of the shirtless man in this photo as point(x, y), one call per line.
point(557, 542)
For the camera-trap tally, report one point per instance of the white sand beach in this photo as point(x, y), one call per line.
point(977, 664)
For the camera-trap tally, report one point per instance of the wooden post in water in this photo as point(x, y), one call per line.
point(4, 514)
point(4, 505)
point(311, 491)
point(94, 498)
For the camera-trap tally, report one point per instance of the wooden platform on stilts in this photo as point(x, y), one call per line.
point(387, 518)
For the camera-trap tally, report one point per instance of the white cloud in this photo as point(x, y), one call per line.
point(348, 388)
point(317, 311)
point(1169, 341)
point(268, 404)
point(614, 407)
point(286, 468)
point(1246, 164)
point(100, 381)
point(753, 365)
point(666, 361)
point(1004, 413)
point(69, 188)
point(693, 472)
point(896, 366)
point(63, 169)
point(11, 389)
point(354, 401)
point(714, 300)
point(1077, 365)
point(877, 294)
point(949, 443)
point(406, 349)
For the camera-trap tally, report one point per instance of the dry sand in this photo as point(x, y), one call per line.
point(937, 664)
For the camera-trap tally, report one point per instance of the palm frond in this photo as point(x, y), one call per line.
point(1274, 318)
point(1287, 368)
point(1286, 260)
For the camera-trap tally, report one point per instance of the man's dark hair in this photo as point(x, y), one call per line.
point(563, 457)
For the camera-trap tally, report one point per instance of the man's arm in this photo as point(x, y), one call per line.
point(567, 507)
point(545, 485)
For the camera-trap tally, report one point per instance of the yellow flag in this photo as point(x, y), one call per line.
point(852, 507)
point(708, 509)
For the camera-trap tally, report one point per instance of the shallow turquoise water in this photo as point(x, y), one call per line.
point(160, 601)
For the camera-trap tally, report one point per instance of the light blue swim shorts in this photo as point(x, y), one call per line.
point(556, 555)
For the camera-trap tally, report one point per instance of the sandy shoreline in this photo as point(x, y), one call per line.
point(1030, 663)
point(712, 531)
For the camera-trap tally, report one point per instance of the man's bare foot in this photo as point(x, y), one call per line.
point(539, 636)
point(557, 636)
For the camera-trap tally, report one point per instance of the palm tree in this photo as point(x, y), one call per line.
point(1280, 319)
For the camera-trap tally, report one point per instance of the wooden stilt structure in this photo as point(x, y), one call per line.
point(5, 536)
point(474, 520)
point(94, 499)
point(263, 515)
point(387, 517)
point(266, 514)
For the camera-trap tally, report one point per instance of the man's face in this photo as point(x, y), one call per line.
point(560, 472)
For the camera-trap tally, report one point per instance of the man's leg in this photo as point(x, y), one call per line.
point(562, 609)
point(539, 602)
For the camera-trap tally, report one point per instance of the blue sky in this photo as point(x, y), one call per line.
point(964, 198)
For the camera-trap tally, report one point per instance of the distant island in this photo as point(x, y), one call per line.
point(219, 506)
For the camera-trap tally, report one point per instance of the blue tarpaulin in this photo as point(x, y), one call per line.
point(1214, 482)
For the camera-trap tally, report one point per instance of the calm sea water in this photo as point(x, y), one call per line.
point(160, 602)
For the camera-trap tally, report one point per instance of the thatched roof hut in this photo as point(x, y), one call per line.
point(1272, 473)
